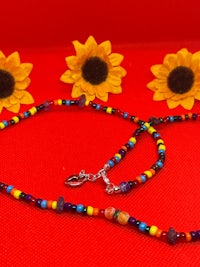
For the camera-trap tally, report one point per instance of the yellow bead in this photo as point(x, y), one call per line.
point(2, 126)
point(16, 194)
point(160, 141)
point(54, 205)
point(15, 119)
point(147, 125)
point(60, 102)
point(151, 130)
point(162, 147)
point(148, 173)
point(87, 102)
point(109, 110)
point(90, 210)
point(133, 140)
point(33, 110)
point(153, 230)
point(118, 155)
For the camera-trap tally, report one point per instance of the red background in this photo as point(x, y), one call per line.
point(38, 154)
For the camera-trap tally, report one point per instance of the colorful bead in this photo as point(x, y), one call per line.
point(124, 187)
point(17, 193)
point(123, 217)
point(142, 226)
point(109, 213)
point(90, 210)
point(60, 204)
point(153, 230)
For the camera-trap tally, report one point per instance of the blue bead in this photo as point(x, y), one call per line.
point(111, 163)
point(125, 115)
point(131, 144)
point(161, 151)
point(159, 164)
point(26, 114)
point(144, 127)
point(80, 208)
point(9, 188)
point(171, 118)
point(143, 178)
point(43, 204)
point(142, 226)
point(98, 107)
point(156, 135)
point(117, 159)
point(67, 103)
point(5, 123)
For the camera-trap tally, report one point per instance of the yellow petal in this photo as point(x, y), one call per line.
point(76, 91)
point(23, 84)
point(160, 71)
point(197, 95)
point(12, 60)
point(26, 98)
point(103, 97)
point(184, 57)
point(114, 89)
point(66, 77)
point(170, 60)
point(2, 54)
point(152, 85)
point(71, 62)
point(100, 90)
point(20, 73)
point(158, 96)
point(106, 46)
point(173, 104)
point(91, 43)
point(27, 68)
point(14, 108)
point(195, 62)
point(1, 106)
point(118, 71)
point(187, 103)
point(114, 80)
point(79, 48)
point(115, 59)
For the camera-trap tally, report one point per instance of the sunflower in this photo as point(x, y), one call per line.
point(94, 71)
point(13, 82)
point(177, 79)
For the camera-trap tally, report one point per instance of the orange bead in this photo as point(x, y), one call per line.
point(13, 191)
point(124, 147)
point(188, 236)
point(183, 117)
point(190, 115)
point(123, 217)
point(152, 171)
point(49, 204)
point(55, 102)
point(109, 213)
point(158, 233)
point(138, 178)
point(136, 119)
point(95, 211)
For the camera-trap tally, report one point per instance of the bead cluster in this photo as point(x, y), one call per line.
point(124, 186)
point(110, 213)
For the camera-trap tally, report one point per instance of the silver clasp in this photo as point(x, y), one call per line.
point(78, 179)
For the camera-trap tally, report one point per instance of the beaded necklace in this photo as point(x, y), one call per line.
point(109, 213)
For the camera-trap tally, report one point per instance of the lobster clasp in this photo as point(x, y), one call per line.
point(75, 180)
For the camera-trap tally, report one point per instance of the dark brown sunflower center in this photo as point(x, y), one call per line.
point(180, 80)
point(95, 70)
point(7, 84)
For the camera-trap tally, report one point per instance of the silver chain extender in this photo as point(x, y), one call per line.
point(78, 179)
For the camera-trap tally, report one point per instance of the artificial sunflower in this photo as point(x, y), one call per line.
point(13, 82)
point(94, 71)
point(177, 79)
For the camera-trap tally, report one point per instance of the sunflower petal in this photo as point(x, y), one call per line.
point(12, 60)
point(91, 43)
point(76, 91)
point(2, 55)
point(158, 96)
point(114, 80)
point(66, 77)
point(159, 71)
point(118, 71)
point(172, 104)
point(26, 98)
point(106, 46)
point(14, 108)
point(79, 48)
point(197, 95)
point(187, 103)
point(184, 57)
point(27, 68)
point(115, 90)
point(103, 98)
point(115, 59)
point(23, 84)
point(1, 107)
point(71, 62)
point(152, 85)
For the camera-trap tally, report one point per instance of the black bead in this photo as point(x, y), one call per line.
point(194, 116)
point(38, 202)
point(1, 186)
point(73, 207)
point(22, 195)
point(67, 206)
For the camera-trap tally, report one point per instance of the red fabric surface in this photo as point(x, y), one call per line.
point(38, 154)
